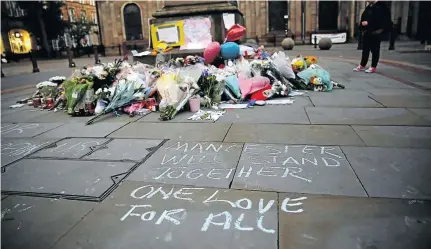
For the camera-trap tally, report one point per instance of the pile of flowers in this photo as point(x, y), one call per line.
point(254, 77)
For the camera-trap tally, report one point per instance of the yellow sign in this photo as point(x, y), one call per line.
point(20, 41)
point(170, 33)
point(1, 45)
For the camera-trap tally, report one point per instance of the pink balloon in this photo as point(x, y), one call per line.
point(211, 52)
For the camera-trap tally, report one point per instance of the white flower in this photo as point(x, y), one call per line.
point(122, 81)
point(105, 90)
point(98, 91)
point(57, 78)
point(45, 83)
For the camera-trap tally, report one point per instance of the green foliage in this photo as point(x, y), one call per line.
point(80, 29)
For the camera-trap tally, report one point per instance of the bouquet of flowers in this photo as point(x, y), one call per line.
point(175, 96)
point(75, 91)
point(209, 89)
point(48, 89)
point(123, 94)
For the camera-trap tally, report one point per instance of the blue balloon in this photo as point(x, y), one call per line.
point(229, 50)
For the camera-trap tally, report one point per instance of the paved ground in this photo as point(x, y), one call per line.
point(347, 169)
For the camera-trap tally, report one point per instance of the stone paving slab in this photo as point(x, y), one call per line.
point(352, 84)
point(388, 83)
point(328, 222)
point(302, 101)
point(172, 216)
point(392, 172)
point(424, 113)
point(406, 74)
point(181, 117)
point(280, 114)
point(395, 136)
point(31, 222)
point(24, 116)
point(426, 84)
point(293, 134)
point(175, 131)
point(70, 148)
point(98, 129)
point(365, 76)
point(355, 84)
point(52, 117)
point(338, 93)
point(206, 164)
point(62, 177)
point(15, 96)
point(124, 149)
point(296, 168)
point(397, 92)
point(26, 130)
point(15, 149)
point(363, 116)
point(344, 101)
point(7, 111)
point(404, 101)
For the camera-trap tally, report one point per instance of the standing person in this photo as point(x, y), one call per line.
point(375, 20)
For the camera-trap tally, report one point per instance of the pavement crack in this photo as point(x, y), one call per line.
point(345, 156)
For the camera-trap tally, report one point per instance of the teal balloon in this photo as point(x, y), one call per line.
point(229, 50)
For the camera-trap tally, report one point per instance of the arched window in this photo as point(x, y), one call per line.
point(132, 22)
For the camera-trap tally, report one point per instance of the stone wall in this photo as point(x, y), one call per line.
point(255, 14)
point(112, 21)
point(89, 8)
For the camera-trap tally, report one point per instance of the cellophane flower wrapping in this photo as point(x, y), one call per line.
point(283, 64)
point(317, 71)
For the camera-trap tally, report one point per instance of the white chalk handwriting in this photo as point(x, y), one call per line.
point(227, 216)
point(201, 148)
point(260, 154)
point(20, 149)
point(73, 147)
point(18, 128)
point(192, 174)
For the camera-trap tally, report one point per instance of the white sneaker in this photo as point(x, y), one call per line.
point(359, 68)
point(371, 70)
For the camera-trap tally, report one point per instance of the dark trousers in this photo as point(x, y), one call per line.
point(370, 43)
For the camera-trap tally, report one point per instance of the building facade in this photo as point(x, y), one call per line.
point(17, 40)
point(14, 36)
point(128, 21)
point(82, 15)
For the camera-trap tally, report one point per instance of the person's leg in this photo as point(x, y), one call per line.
point(366, 47)
point(375, 50)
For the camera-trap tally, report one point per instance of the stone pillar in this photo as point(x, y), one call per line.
point(295, 19)
point(308, 18)
point(314, 15)
point(415, 6)
point(340, 21)
point(352, 19)
point(404, 16)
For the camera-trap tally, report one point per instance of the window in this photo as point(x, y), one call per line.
point(13, 9)
point(94, 18)
point(132, 22)
point(83, 16)
point(71, 13)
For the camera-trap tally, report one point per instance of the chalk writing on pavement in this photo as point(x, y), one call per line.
point(230, 213)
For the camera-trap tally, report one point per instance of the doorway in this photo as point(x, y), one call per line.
point(424, 19)
point(276, 12)
point(328, 15)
